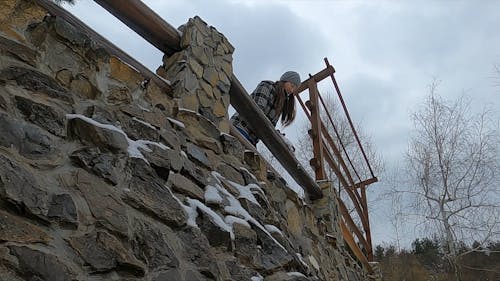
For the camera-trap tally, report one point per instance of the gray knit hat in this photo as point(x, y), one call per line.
point(291, 76)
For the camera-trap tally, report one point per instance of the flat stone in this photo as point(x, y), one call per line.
point(273, 256)
point(192, 171)
point(149, 195)
point(230, 173)
point(196, 67)
point(36, 82)
point(169, 275)
point(211, 75)
point(105, 139)
point(205, 99)
point(197, 249)
point(31, 141)
point(207, 88)
point(122, 72)
point(191, 82)
point(196, 153)
point(245, 243)
point(185, 186)
point(190, 101)
point(18, 51)
point(240, 272)
point(248, 177)
point(169, 159)
point(104, 165)
point(104, 252)
point(151, 245)
point(119, 95)
point(15, 229)
point(43, 115)
point(219, 109)
point(199, 54)
point(230, 145)
point(64, 76)
point(104, 203)
point(19, 187)
point(63, 209)
point(38, 265)
point(70, 33)
point(223, 87)
point(207, 112)
point(170, 137)
point(137, 129)
point(84, 88)
point(3, 103)
point(209, 143)
point(285, 276)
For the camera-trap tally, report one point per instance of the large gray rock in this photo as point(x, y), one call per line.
point(18, 51)
point(40, 265)
point(217, 237)
point(164, 160)
point(104, 165)
point(197, 250)
point(29, 140)
point(185, 186)
point(104, 203)
point(273, 256)
point(196, 153)
point(151, 245)
point(230, 173)
point(45, 116)
point(169, 275)
point(15, 229)
point(194, 172)
point(239, 271)
point(103, 252)
point(245, 243)
point(36, 82)
point(148, 194)
point(106, 139)
point(19, 187)
point(63, 209)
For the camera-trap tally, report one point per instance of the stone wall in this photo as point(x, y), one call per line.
point(105, 177)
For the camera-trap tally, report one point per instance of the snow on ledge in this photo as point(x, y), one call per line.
point(133, 146)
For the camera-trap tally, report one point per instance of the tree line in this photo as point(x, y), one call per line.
point(427, 260)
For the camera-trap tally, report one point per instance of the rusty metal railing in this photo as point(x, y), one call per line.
point(326, 150)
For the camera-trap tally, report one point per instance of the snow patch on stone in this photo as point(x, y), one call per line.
point(212, 195)
point(273, 229)
point(176, 122)
point(144, 123)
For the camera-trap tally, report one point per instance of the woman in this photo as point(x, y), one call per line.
point(275, 99)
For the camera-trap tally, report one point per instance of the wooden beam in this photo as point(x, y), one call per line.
point(350, 223)
point(366, 182)
point(316, 123)
point(145, 22)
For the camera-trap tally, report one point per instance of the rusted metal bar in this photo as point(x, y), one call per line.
point(369, 249)
point(349, 118)
point(329, 70)
point(145, 22)
point(350, 223)
point(338, 136)
point(316, 130)
point(353, 195)
point(366, 182)
point(263, 128)
point(354, 247)
point(112, 49)
point(166, 38)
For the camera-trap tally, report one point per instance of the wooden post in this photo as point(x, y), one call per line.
point(317, 161)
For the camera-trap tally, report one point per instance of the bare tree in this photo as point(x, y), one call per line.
point(453, 164)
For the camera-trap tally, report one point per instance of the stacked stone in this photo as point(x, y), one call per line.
point(96, 174)
point(201, 72)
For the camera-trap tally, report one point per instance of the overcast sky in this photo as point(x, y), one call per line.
point(385, 54)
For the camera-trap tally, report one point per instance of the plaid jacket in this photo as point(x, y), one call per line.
point(264, 96)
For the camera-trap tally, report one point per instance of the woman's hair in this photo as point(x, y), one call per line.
point(284, 104)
